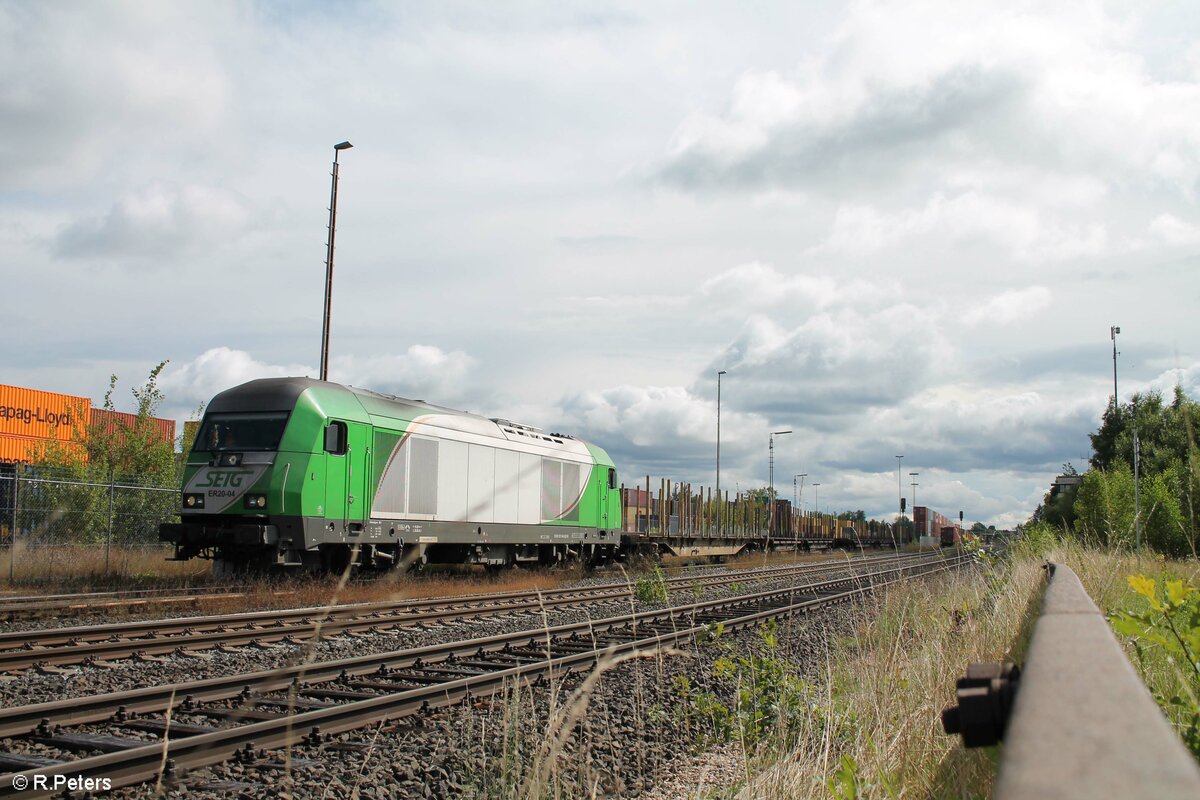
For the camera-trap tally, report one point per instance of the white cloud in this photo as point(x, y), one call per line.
point(758, 287)
point(1010, 306)
point(88, 86)
point(422, 372)
point(837, 361)
point(665, 431)
point(964, 219)
point(1174, 231)
point(977, 80)
point(189, 384)
point(159, 221)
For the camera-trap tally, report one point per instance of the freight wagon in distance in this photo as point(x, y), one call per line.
point(306, 474)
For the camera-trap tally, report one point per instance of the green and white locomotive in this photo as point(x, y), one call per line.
point(306, 474)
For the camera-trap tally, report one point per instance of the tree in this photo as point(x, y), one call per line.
point(1169, 469)
point(1162, 521)
point(110, 451)
point(1104, 506)
point(1058, 506)
point(1166, 433)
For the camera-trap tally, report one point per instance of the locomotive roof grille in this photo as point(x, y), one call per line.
point(508, 423)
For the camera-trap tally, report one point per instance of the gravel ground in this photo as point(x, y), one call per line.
point(629, 740)
point(78, 681)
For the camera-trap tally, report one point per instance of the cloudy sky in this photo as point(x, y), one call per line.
point(901, 227)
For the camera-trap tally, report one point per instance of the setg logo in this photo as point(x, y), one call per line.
point(222, 486)
point(227, 479)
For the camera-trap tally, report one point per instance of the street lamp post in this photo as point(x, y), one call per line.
point(914, 475)
point(720, 515)
point(337, 148)
point(1113, 330)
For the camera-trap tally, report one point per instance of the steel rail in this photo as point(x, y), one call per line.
point(74, 711)
point(22, 599)
point(309, 630)
point(15, 639)
point(15, 603)
point(59, 647)
point(172, 755)
point(105, 601)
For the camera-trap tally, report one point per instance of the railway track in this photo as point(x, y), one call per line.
point(242, 716)
point(47, 649)
point(16, 606)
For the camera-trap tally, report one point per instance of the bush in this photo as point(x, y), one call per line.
point(1162, 519)
point(1166, 619)
point(1104, 506)
point(1036, 540)
point(651, 588)
point(1105, 509)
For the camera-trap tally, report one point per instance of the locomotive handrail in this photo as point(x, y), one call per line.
point(1083, 724)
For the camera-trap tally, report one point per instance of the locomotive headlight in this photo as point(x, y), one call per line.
point(256, 501)
point(193, 501)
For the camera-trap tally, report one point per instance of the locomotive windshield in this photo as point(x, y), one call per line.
point(241, 431)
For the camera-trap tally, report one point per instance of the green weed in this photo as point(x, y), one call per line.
point(1165, 622)
point(651, 588)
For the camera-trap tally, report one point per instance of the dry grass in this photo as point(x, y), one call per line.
point(79, 567)
point(876, 707)
point(1104, 572)
point(82, 568)
point(319, 591)
point(875, 730)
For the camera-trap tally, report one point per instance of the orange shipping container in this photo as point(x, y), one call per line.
point(115, 421)
point(41, 415)
point(24, 448)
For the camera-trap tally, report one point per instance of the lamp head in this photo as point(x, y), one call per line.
point(343, 146)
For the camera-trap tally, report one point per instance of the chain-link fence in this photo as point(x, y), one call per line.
point(60, 524)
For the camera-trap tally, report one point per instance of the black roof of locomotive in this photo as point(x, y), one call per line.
point(281, 394)
point(266, 394)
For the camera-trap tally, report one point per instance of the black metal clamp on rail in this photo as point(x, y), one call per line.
point(985, 700)
point(1083, 725)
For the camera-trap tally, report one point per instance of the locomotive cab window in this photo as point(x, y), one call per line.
point(335, 438)
point(612, 478)
point(241, 432)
